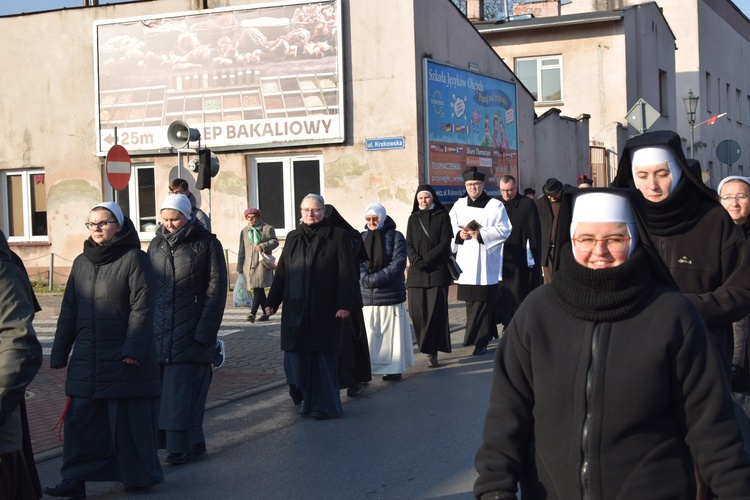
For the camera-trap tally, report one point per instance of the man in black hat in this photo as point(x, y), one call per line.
point(548, 207)
point(481, 226)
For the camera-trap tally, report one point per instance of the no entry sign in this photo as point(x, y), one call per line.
point(118, 167)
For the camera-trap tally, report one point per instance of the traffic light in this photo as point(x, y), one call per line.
point(204, 169)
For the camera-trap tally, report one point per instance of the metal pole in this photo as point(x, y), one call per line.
point(51, 271)
point(692, 139)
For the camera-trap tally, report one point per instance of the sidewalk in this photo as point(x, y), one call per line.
point(254, 364)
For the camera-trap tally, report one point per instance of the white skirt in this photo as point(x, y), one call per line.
point(389, 336)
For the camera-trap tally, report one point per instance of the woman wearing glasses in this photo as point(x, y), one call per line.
point(315, 280)
point(381, 280)
point(734, 195)
point(110, 426)
point(607, 384)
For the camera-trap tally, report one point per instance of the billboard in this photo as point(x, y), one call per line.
point(470, 121)
point(246, 77)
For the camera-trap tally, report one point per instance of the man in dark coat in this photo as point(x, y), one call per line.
point(548, 207)
point(521, 271)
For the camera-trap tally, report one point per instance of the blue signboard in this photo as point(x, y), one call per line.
point(470, 121)
point(384, 143)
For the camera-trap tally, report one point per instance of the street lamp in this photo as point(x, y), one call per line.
point(691, 106)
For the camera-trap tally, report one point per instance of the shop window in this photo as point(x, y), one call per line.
point(278, 185)
point(663, 93)
point(138, 200)
point(25, 205)
point(542, 76)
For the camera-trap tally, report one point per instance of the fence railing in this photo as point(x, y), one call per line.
point(53, 270)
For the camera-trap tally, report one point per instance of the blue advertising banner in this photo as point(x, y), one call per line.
point(470, 121)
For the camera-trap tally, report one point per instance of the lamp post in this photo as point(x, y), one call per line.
point(691, 105)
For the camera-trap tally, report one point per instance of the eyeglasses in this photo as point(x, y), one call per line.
point(613, 243)
point(473, 184)
point(99, 225)
point(740, 198)
point(507, 190)
point(310, 210)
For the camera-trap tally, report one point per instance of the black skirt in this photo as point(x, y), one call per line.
point(428, 309)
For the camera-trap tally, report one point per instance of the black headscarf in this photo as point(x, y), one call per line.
point(681, 209)
point(435, 199)
point(125, 239)
point(606, 294)
point(377, 258)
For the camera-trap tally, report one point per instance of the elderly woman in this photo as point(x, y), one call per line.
point(112, 383)
point(315, 281)
point(256, 238)
point(607, 382)
point(191, 292)
point(381, 280)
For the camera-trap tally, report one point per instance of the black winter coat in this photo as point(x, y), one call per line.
point(191, 293)
point(647, 387)
point(107, 311)
point(385, 286)
point(427, 255)
point(308, 321)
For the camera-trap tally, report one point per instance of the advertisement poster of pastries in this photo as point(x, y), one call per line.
point(245, 77)
point(470, 121)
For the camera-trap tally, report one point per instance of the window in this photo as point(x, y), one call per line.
point(25, 208)
point(708, 92)
point(138, 200)
point(728, 102)
point(738, 105)
point(542, 76)
point(279, 184)
point(663, 94)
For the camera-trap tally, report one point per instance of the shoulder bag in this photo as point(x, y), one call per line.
point(450, 262)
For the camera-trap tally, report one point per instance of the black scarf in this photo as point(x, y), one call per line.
point(302, 255)
point(602, 294)
point(375, 247)
point(123, 241)
point(678, 212)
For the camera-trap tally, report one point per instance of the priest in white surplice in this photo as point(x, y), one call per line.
point(479, 254)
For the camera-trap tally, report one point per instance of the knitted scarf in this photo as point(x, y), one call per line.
point(602, 294)
point(123, 241)
point(678, 212)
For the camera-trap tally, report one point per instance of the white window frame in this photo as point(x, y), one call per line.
point(26, 183)
point(134, 194)
point(540, 68)
point(292, 214)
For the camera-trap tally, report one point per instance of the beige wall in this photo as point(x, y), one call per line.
point(48, 108)
point(605, 71)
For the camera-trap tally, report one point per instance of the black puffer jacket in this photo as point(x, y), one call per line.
point(107, 310)
point(385, 286)
point(191, 292)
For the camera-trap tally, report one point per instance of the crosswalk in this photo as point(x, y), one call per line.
point(234, 321)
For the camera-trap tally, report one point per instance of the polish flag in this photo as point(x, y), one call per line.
point(712, 120)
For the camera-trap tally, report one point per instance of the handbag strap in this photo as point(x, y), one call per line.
point(424, 229)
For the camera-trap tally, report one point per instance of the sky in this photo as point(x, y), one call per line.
point(17, 6)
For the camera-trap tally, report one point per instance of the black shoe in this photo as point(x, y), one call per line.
point(354, 390)
point(69, 488)
point(432, 360)
point(263, 318)
point(304, 409)
point(220, 354)
point(198, 449)
point(176, 458)
point(479, 351)
point(318, 415)
point(392, 376)
point(251, 318)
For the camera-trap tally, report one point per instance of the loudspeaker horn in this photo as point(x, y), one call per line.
point(180, 134)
